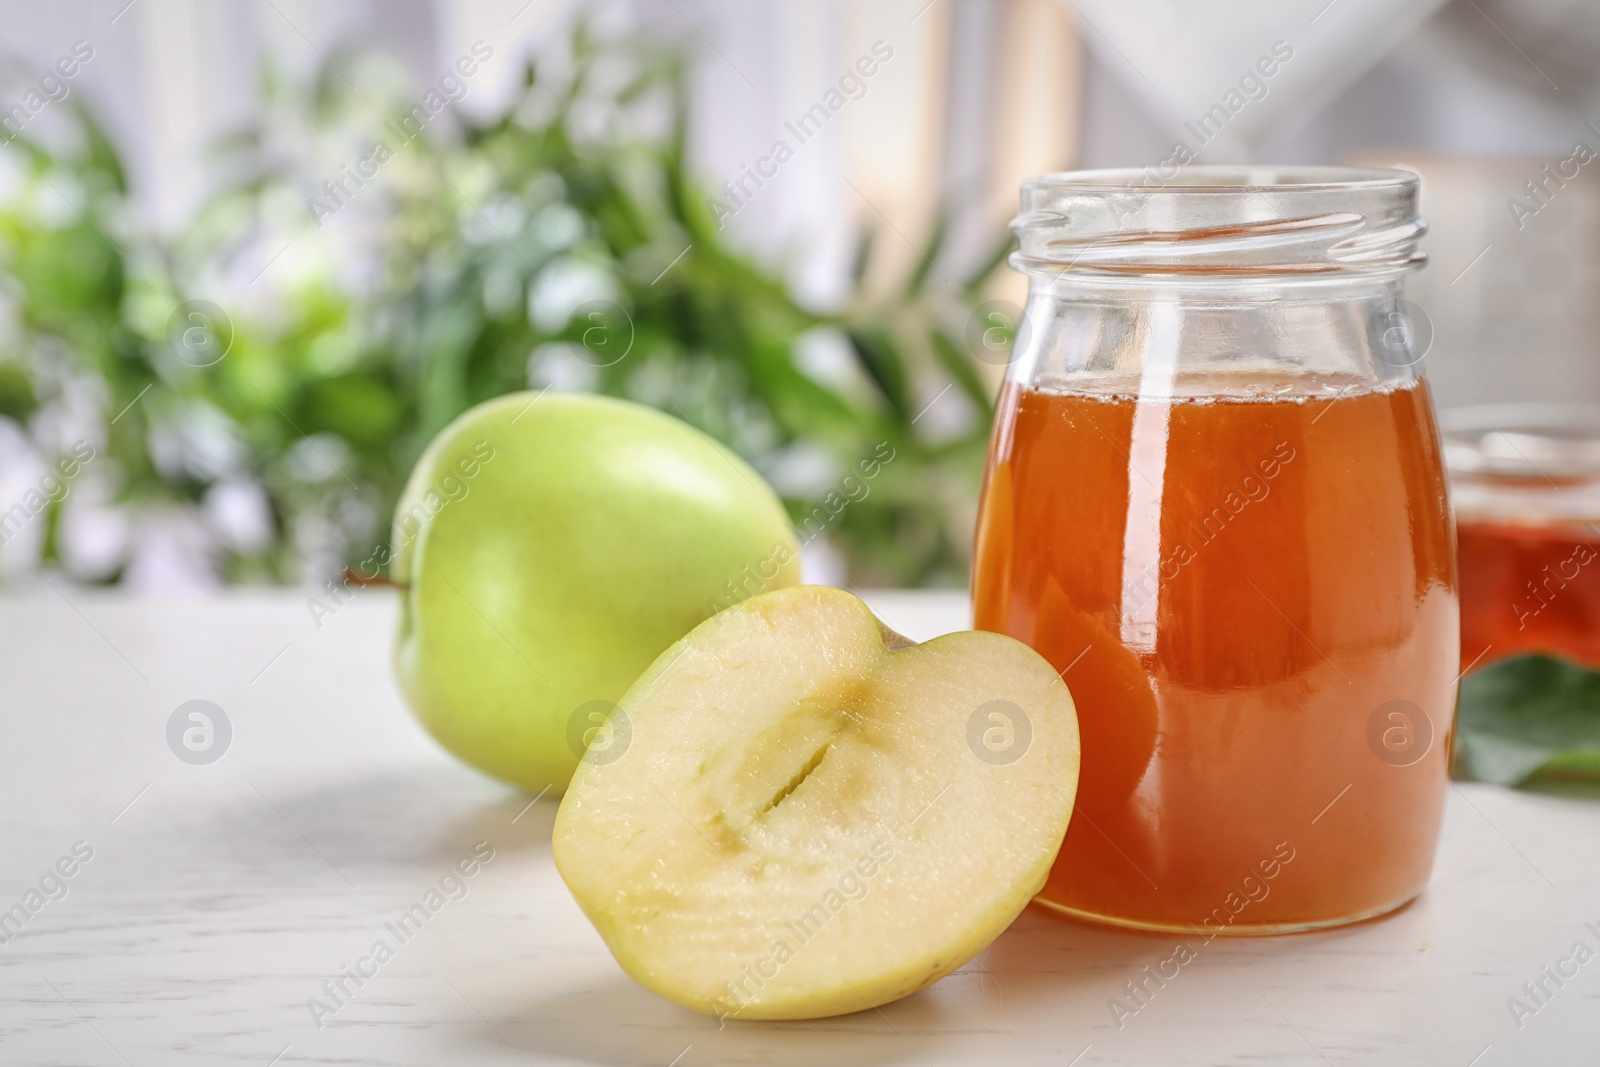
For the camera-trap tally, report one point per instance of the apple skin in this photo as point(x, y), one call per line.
point(590, 535)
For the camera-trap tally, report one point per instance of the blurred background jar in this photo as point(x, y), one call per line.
point(1525, 482)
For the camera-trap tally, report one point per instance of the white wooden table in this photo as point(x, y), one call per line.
point(219, 898)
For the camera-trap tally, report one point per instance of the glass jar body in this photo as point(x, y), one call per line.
point(1218, 507)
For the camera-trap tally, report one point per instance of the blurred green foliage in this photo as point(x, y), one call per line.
point(565, 244)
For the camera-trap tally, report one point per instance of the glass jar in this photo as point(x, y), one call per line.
point(1525, 479)
point(1215, 502)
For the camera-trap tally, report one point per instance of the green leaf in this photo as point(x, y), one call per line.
point(17, 398)
point(879, 356)
point(355, 408)
point(1530, 717)
point(862, 257)
point(935, 245)
point(959, 364)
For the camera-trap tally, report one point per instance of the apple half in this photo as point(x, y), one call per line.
point(813, 815)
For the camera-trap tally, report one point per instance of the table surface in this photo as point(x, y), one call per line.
point(219, 898)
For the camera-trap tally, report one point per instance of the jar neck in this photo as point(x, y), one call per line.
point(1219, 335)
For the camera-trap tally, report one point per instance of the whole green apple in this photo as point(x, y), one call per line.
point(550, 547)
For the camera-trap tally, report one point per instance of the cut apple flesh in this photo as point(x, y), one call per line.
point(814, 816)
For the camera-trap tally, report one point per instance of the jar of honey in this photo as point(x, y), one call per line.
point(1525, 479)
point(1215, 502)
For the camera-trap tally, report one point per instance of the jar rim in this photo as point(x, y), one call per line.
point(1530, 465)
point(1228, 178)
point(1212, 223)
point(1538, 441)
